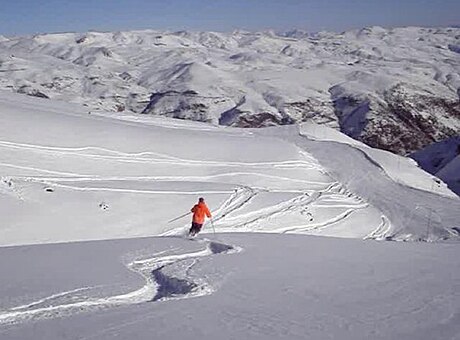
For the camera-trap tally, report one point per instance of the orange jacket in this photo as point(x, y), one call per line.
point(199, 211)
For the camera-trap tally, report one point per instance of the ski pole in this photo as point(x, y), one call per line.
point(214, 229)
point(175, 219)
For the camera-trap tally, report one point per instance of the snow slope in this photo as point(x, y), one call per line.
point(396, 89)
point(249, 287)
point(68, 176)
point(81, 177)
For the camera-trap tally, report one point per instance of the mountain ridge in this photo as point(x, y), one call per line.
point(396, 89)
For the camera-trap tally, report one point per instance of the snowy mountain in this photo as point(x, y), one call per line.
point(395, 89)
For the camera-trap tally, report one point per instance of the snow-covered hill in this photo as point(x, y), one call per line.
point(396, 89)
point(68, 175)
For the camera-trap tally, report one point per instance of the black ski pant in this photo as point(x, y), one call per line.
point(195, 228)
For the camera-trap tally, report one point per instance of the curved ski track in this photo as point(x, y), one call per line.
point(158, 287)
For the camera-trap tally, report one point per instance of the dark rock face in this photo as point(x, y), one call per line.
point(402, 123)
point(31, 92)
point(311, 109)
point(182, 105)
point(120, 107)
point(403, 120)
point(263, 119)
point(239, 118)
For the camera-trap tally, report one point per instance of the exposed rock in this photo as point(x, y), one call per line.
point(263, 119)
point(183, 105)
point(405, 121)
point(31, 92)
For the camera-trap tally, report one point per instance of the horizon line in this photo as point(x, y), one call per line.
point(276, 31)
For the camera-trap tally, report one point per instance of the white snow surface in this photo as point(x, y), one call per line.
point(112, 181)
point(85, 177)
point(241, 286)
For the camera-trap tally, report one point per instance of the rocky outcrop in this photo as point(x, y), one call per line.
point(183, 105)
point(31, 92)
point(403, 121)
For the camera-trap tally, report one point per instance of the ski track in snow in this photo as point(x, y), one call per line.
point(382, 230)
point(51, 298)
point(299, 204)
point(309, 191)
point(142, 157)
point(38, 170)
point(406, 195)
point(158, 287)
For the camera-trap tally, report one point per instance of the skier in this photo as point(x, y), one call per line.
point(199, 211)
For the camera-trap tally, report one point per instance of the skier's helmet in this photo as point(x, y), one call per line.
point(201, 199)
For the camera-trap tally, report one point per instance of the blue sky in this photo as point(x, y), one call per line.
point(38, 16)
